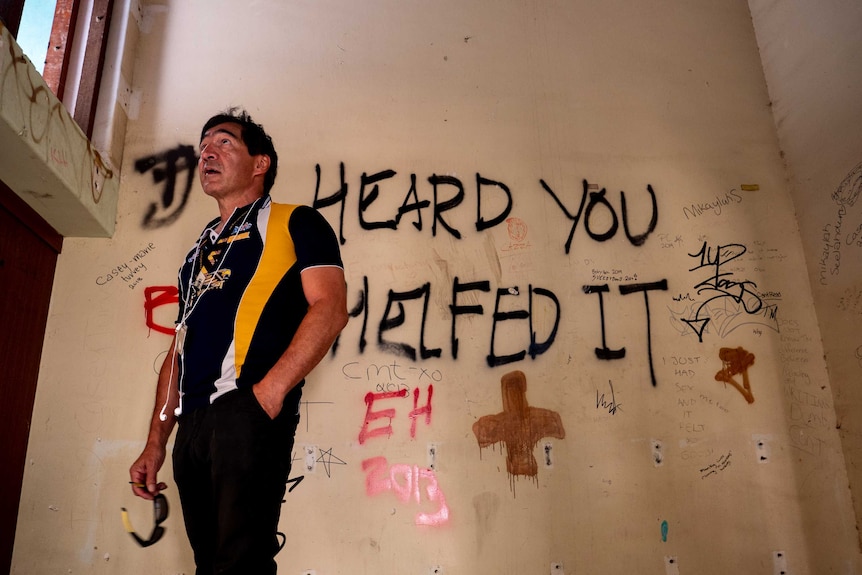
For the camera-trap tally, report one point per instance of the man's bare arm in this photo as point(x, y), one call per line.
point(144, 471)
point(326, 294)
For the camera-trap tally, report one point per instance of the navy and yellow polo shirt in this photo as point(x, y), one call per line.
point(241, 297)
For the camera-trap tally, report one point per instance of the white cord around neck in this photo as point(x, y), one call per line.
point(192, 281)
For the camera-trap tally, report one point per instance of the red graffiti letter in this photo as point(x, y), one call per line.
point(434, 494)
point(417, 411)
point(370, 416)
point(376, 481)
point(164, 295)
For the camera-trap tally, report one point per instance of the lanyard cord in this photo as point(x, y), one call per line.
point(188, 312)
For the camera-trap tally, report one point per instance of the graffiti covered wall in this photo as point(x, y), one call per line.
point(579, 340)
point(817, 132)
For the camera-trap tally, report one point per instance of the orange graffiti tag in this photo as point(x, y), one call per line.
point(736, 361)
point(518, 426)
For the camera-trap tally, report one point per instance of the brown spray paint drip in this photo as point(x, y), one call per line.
point(519, 426)
point(736, 361)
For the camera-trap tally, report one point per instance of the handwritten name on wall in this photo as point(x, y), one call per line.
point(131, 271)
point(838, 236)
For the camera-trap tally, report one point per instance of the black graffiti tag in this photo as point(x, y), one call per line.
point(598, 199)
point(377, 206)
point(401, 329)
point(721, 284)
point(166, 168)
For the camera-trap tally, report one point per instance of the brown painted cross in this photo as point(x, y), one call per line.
point(519, 426)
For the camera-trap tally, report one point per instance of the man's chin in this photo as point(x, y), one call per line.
point(210, 188)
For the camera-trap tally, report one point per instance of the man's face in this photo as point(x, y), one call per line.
point(225, 166)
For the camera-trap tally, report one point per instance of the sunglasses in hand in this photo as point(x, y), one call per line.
point(160, 513)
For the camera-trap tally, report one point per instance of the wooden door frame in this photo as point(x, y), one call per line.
point(28, 242)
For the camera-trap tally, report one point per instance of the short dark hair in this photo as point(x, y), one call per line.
point(253, 136)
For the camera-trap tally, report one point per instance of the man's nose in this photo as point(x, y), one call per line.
point(208, 152)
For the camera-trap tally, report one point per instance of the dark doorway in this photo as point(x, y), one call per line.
point(28, 256)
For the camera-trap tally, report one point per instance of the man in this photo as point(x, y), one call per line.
point(262, 298)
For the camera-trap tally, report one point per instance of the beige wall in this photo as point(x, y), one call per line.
point(537, 96)
point(811, 62)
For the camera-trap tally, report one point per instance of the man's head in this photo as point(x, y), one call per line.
point(253, 136)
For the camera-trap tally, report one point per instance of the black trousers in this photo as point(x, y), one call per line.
point(231, 464)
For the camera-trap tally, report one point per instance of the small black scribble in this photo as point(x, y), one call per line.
point(296, 481)
point(713, 468)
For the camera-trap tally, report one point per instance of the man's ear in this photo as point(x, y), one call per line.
point(261, 163)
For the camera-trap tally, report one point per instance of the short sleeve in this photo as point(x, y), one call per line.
point(314, 240)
